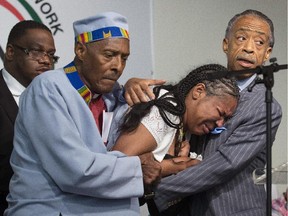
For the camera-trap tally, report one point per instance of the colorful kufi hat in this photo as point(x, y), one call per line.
point(101, 26)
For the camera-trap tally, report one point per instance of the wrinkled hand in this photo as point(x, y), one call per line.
point(177, 164)
point(151, 169)
point(138, 90)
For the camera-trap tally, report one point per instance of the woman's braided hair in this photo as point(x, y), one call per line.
point(173, 101)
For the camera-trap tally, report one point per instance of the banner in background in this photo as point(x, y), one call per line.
point(15, 11)
point(60, 15)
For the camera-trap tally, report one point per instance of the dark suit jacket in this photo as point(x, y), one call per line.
point(8, 113)
point(222, 183)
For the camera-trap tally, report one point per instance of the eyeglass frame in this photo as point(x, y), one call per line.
point(27, 51)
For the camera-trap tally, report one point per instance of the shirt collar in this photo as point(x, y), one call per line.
point(242, 84)
point(94, 96)
point(14, 86)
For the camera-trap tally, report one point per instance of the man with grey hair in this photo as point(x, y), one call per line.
point(60, 161)
point(222, 183)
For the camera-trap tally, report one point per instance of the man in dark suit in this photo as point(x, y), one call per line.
point(29, 52)
point(222, 184)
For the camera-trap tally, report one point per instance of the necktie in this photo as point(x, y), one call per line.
point(97, 106)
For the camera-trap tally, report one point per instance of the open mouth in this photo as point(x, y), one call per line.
point(246, 63)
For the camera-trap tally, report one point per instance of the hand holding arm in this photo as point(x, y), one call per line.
point(177, 164)
point(138, 90)
point(151, 169)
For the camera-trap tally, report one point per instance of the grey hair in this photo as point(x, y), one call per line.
point(222, 87)
point(256, 14)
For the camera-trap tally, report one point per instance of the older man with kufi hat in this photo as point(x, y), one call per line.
point(60, 161)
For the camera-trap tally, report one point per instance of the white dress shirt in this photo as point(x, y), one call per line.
point(14, 86)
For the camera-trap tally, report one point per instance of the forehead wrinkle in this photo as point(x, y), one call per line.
point(246, 29)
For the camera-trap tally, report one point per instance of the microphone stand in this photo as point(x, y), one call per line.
point(268, 80)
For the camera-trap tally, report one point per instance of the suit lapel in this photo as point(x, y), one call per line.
point(7, 102)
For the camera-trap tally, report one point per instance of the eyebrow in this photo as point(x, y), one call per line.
point(41, 46)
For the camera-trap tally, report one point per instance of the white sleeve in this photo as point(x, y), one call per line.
point(162, 133)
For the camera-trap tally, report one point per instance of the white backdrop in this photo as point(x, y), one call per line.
point(183, 34)
point(59, 16)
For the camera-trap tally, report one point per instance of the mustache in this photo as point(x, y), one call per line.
point(114, 75)
point(246, 58)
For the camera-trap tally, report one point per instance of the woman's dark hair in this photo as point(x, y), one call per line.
point(173, 101)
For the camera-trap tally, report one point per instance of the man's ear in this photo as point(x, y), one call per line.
point(225, 45)
point(198, 91)
point(9, 54)
point(267, 54)
point(80, 50)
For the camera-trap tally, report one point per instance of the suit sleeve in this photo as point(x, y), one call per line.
point(233, 150)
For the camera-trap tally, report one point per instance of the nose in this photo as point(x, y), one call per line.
point(45, 58)
point(220, 122)
point(249, 46)
point(118, 64)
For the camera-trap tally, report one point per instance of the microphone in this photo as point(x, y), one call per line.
point(265, 70)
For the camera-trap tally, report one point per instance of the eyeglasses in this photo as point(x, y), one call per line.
point(38, 54)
